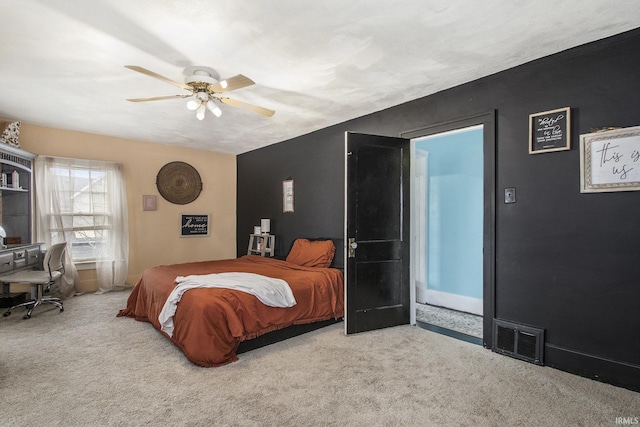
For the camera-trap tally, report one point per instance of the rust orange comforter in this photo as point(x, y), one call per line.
point(210, 323)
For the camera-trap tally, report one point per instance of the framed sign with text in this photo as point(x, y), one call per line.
point(194, 225)
point(550, 131)
point(610, 160)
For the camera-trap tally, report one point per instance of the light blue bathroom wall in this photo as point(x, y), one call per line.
point(455, 212)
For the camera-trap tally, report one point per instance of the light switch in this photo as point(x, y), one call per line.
point(510, 195)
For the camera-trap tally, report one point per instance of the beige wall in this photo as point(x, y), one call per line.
point(153, 235)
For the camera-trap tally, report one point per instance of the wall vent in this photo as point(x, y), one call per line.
point(519, 341)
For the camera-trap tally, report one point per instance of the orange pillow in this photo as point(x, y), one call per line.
point(317, 253)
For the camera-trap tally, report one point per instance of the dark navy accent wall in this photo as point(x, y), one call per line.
point(565, 261)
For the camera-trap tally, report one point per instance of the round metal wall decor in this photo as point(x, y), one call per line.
point(179, 183)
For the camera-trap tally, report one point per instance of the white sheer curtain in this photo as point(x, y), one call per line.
point(112, 262)
point(83, 203)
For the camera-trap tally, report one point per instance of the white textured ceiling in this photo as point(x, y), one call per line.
point(316, 62)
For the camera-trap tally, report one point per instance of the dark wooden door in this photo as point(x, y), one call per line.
point(377, 232)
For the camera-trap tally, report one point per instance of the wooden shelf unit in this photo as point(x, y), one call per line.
point(261, 244)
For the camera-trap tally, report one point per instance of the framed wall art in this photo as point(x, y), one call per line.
point(550, 131)
point(194, 225)
point(179, 183)
point(610, 160)
point(287, 195)
point(149, 202)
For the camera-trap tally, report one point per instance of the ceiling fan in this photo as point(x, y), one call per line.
point(205, 90)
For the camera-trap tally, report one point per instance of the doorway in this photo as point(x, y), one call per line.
point(453, 227)
point(448, 209)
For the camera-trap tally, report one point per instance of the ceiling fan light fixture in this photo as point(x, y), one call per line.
point(214, 109)
point(193, 104)
point(200, 112)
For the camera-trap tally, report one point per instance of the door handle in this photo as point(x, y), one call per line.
point(353, 245)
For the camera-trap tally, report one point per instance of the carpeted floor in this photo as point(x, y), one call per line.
point(85, 367)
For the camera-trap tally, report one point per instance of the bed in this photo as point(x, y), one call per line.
point(210, 324)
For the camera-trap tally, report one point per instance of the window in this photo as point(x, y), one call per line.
point(83, 202)
point(85, 215)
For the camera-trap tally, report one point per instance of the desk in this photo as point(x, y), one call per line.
point(16, 258)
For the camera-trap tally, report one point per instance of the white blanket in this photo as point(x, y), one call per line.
point(270, 291)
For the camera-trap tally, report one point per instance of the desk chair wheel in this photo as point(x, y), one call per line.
point(6, 314)
point(26, 316)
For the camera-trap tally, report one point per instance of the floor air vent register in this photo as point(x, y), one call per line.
point(519, 341)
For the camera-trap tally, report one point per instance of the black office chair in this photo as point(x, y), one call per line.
point(40, 280)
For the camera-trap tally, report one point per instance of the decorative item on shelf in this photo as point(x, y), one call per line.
point(15, 179)
point(3, 180)
point(179, 183)
point(3, 237)
point(10, 133)
point(265, 225)
point(550, 131)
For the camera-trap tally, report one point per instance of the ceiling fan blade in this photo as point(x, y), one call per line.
point(159, 98)
point(249, 107)
point(158, 76)
point(232, 83)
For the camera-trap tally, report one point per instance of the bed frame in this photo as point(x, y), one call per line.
point(296, 330)
point(282, 334)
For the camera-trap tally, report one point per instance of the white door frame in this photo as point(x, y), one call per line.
point(418, 271)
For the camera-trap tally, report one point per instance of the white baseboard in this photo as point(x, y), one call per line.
point(455, 302)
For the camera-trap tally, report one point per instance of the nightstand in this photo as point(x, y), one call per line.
point(261, 244)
